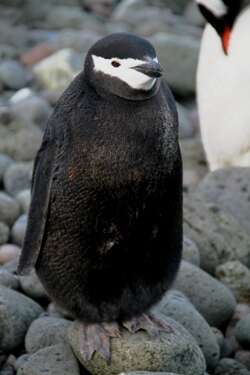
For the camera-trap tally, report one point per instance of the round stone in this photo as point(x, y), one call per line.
point(18, 230)
point(32, 286)
point(9, 209)
point(16, 314)
point(175, 352)
point(176, 306)
point(235, 276)
point(190, 252)
point(9, 252)
point(24, 198)
point(12, 74)
point(17, 177)
point(242, 332)
point(54, 360)
point(212, 299)
point(5, 162)
point(8, 280)
point(32, 109)
point(4, 233)
point(219, 237)
point(46, 331)
point(228, 366)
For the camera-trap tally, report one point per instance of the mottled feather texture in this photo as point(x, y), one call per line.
point(111, 201)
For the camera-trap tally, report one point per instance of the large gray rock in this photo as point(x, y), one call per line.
point(219, 237)
point(214, 301)
point(18, 230)
point(32, 286)
point(29, 107)
point(229, 189)
point(5, 162)
point(179, 56)
point(20, 141)
point(46, 331)
point(20, 361)
point(16, 314)
point(228, 366)
point(236, 277)
point(242, 332)
point(8, 280)
point(174, 352)
point(54, 360)
point(24, 198)
point(190, 252)
point(9, 209)
point(12, 74)
point(12, 265)
point(175, 305)
point(58, 70)
point(18, 177)
point(219, 337)
point(4, 233)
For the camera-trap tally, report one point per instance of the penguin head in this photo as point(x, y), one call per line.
point(123, 65)
point(221, 14)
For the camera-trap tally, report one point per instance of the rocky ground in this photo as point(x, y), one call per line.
point(42, 47)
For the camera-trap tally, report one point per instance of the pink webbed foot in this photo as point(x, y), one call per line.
point(150, 323)
point(96, 338)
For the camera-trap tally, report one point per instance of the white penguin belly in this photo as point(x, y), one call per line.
point(223, 88)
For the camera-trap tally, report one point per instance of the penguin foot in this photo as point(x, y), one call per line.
point(96, 338)
point(150, 323)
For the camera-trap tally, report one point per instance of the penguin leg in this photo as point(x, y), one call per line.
point(148, 322)
point(96, 338)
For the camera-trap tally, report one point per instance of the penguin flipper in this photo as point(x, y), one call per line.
point(40, 192)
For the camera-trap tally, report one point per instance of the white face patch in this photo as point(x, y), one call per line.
point(121, 68)
point(217, 7)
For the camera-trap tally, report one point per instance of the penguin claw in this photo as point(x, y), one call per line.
point(161, 324)
point(149, 323)
point(96, 338)
point(112, 329)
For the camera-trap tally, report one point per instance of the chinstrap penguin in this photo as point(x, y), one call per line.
point(223, 83)
point(105, 223)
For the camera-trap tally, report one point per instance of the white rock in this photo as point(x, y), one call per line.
point(57, 71)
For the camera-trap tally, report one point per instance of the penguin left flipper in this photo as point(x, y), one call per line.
point(41, 186)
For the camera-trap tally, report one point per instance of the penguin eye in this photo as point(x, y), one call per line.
point(115, 63)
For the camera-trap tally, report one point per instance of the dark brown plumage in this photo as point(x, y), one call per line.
point(105, 224)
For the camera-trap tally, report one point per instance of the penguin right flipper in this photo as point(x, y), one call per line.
point(41, 186)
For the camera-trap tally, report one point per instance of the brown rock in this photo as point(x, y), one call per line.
point(37, 54)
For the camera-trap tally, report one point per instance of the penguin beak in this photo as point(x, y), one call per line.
point(151, 69)
point(225, 38)
point(224, 24)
